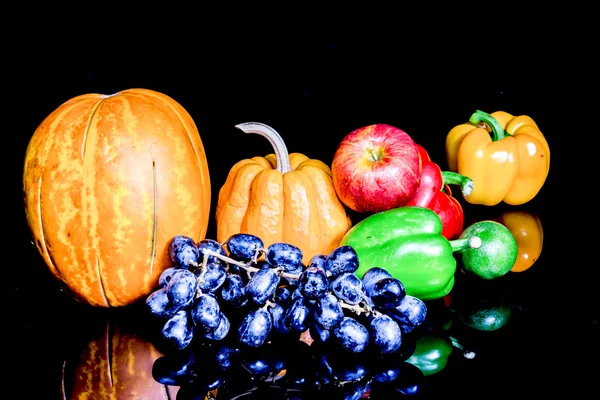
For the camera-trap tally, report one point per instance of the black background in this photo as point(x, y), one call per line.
point(314, 82)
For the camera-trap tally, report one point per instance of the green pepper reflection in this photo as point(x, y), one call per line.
point(431, 354)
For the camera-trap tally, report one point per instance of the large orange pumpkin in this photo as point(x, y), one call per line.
point(282, 198)
point(108, 181)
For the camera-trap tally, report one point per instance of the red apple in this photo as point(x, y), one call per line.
point(376, 168)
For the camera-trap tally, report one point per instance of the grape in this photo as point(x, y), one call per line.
point(277, 311)
point(318, 333)
point(225, 355)
point(387, 293)
point(211, 276)
point(348, 288)
point(351, 373)
point(159, 304)
point(262, 285)
point(345, 377)
point(233, 291)
point(222, 330)
point(313, 283)
point(342, 259)
point(206, 313)
point(183, 251)
point(407, 348)
point(386, 369)
point(179, 329)
point(372, 276)
point(319, 261)
point(182, 288)
point(323, 365)
point(166, 275)
point(255, 328)
point(245, 246)
point(328, 312)
point(286, 256)
point(176, 368)
point(351, 335)
point(298, 316)
point(410, 380)
point(211, 245)
point(264, 362)
point(283, 294)
point(295, 294)
point(410, 313)
point(258, 367)
point(385, 334)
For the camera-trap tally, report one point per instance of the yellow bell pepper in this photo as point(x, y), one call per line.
point(506, 157)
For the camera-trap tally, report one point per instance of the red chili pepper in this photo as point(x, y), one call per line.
point(435, 194)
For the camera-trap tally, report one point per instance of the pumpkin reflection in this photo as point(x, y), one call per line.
point(115, 364)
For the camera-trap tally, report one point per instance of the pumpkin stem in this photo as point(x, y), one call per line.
point(281, 153)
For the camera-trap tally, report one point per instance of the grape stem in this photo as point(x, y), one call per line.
point(360, 308)
point(200, 275)
point(247, 266)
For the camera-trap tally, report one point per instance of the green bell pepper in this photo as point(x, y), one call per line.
point(408, 243)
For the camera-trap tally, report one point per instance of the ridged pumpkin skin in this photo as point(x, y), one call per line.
point(282, 198)
point(108, 181)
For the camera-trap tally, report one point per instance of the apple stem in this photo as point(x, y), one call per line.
point(374, 156)
point(281, 153)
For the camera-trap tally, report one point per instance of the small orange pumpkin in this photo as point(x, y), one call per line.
point(108, 181)
point(282, 198)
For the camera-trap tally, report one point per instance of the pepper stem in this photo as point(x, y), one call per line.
point(479, 117)
point(281, 153)
point(454, 178)
point(474, 242)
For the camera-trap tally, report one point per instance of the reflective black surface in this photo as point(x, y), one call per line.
point(313, 93)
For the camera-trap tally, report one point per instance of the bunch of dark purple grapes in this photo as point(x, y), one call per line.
point(243, 290)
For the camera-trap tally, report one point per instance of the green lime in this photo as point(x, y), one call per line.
point(496, 252)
